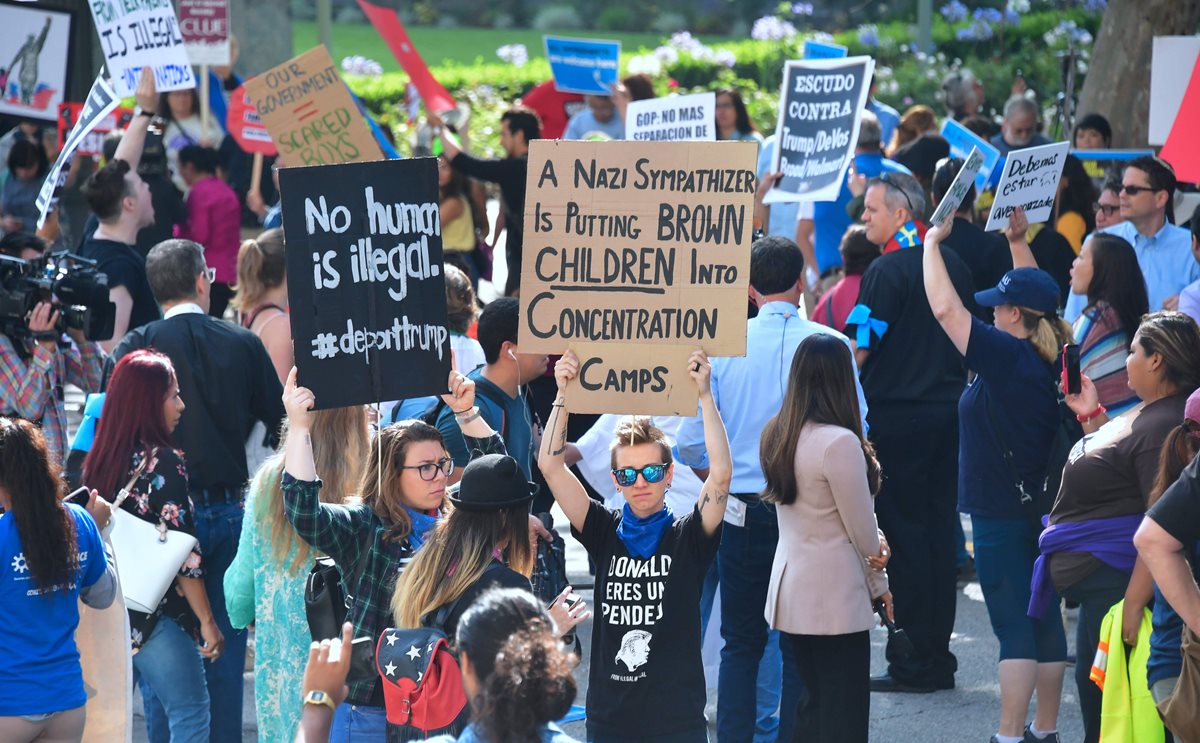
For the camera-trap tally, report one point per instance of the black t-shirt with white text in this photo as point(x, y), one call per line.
point(646, 675)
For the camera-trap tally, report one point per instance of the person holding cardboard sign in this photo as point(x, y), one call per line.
point(646, 679)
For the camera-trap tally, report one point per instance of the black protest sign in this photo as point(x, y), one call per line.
point(820, 106)
point(365, 283)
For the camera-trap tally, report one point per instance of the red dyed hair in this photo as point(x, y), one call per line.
point(132, 419)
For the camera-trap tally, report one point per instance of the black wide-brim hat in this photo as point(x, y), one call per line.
point(491, 483)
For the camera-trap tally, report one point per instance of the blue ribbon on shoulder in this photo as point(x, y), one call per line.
point(861, 317)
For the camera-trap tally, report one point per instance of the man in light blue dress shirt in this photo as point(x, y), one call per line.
point(748, 391)
point(1163, 250)
point(600, 116)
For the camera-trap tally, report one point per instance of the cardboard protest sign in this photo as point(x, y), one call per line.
point(962, 185)
point(244, 125)
point(1030, 179)
point(366, 291)
point(587, 66)
point(820, 108)
point(676, 118)
point(100, 102)
point(205, 28)
point(309, 112)
point(643, 249)
point(35, 60)
point(962, 140)
point(134, 35)
point(93, 142)
point(821, 50)
point(1171, 64)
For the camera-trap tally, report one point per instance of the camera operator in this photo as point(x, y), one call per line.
point(37, 362)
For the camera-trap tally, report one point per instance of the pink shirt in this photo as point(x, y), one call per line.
point(215, 221)
point(843, 296)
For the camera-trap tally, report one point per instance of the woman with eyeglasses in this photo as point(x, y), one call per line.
point(402, 495)
point(1108, 274)
point(646, 680)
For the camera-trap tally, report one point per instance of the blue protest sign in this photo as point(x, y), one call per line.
point(586, 66)
point(821, 50)
point(961, 141)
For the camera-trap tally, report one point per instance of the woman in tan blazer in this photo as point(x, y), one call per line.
point(822, 474)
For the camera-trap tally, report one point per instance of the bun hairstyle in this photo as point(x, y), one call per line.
point(633, 430)
point(460, 299)
point(525, 678)
point(261, 266)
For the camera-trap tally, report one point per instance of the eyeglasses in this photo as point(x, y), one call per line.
point(1108, 209)
point(627, 476)
point(886, 177)
point(429, 470)
point(1135, 190)
point(211, 274)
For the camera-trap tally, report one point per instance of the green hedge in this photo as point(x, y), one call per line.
point(904, 76)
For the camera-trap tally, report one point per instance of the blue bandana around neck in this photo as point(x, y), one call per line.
point(641, 536)
point(421, 524)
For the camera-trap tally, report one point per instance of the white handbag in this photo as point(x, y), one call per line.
point(148, 556)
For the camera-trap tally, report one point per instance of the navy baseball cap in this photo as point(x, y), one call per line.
point(1023, 287)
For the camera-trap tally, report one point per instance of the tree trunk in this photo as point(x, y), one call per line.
point(264, 32)
point(1118, 78)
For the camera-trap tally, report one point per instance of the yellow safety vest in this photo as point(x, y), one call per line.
point(1127, 712)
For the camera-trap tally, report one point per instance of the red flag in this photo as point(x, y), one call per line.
point(1181, 149)
point(388, 24)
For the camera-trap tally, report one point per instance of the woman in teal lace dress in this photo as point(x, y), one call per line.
point(265, 583)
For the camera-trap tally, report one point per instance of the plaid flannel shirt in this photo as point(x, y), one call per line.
point(341, 532)
point(32, 388)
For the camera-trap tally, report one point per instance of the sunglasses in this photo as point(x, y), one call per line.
point(627, 476)
point(1108, 209)
point(1135, 190)
point(885, 177)
point(211, 273)
point(429, 470)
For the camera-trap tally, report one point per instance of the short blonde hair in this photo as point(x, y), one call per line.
point(633, 431)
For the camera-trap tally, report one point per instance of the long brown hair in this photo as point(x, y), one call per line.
point(35, 488)
point(380, 484)
point(1178, 450)
point(455, 556)
point(261, 266)
point(340, 442)
point(1176, 337)
point(820, 390)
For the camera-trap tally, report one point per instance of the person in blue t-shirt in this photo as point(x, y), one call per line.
point(51, 556)
point(1013, 402)
point(498, 391)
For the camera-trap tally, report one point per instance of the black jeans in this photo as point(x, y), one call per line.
point(917, 446)
point(1096, 594)
point(835, 706)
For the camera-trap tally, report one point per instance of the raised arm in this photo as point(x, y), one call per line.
point(1018, 226)
point(130, 147)
point(947, 306)
point(714, 495)
point(565, 487)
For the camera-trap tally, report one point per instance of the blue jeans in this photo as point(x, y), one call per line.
point(353, 723)
point(745, 558)
point(770, 670)
point(170, 671)
point(218, 527)
point(1005, 550)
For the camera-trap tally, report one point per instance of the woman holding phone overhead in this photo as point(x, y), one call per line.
point(1012, 404)
point(646, 679)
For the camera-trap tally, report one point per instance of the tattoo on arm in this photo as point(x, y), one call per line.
point(562, 443)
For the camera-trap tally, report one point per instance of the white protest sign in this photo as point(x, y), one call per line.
point(1030, 179)
point(134, 35)
point(1170, 70)
point(205, 27)
point(676, 118)
point(962, 185)
point(100, 102)
point(820, 108)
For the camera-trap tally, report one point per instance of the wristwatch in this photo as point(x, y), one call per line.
point(319, 697)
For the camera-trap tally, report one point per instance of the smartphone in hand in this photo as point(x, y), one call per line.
point(1072, 379)
point(79, 497)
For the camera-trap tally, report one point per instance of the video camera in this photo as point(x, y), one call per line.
point(72, 285)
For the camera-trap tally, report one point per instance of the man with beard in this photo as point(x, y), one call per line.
point(1020, 127)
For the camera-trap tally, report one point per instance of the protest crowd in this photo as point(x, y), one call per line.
point(762, 381)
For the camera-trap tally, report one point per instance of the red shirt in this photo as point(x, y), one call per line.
point(835, 306)
point(215, 221)
point(553, 107)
